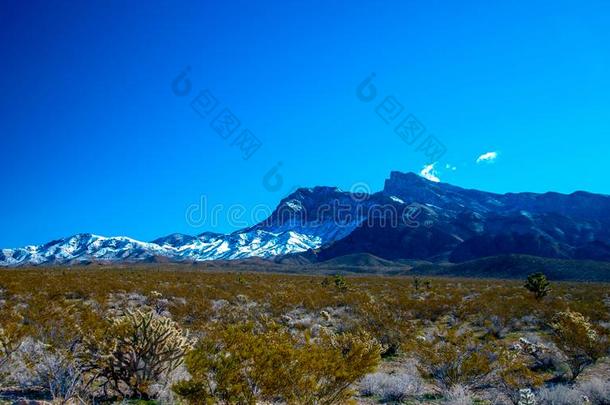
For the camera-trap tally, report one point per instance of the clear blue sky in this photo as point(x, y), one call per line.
point(94, 140)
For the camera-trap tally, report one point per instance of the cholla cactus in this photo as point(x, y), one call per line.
point(340, 282)
point(138, 350)
point(526, 397)
point(538, 284)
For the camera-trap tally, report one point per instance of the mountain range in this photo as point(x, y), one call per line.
point(411, 219)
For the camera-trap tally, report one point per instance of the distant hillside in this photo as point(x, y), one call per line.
point(359, 260)
point(500, 267)
point(497, 267)
point(519, 267)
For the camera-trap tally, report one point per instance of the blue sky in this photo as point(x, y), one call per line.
point(95, 140)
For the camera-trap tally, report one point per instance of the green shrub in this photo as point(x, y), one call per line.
point(340, 282)
point(538, 284)
point(454, 357)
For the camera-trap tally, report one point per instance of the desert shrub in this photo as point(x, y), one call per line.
point(541, 357)
point(455, 357)
point(498, 310)
point(538, 284)
point(388, 325)
point(11, 331)
point(38, 365)
point(11, 335)
point(596, 390)
point(459, 395)
point(62, 374)
point(52, 356)
point(340, 282)
point(241, 279)
point(514, 372)
point(163, 391)
point(560, 395)
point(57, 322)
point(7, 346)
point(391, 387)
point(193, 313)
point(333, 363)
point(243, 365)
point(433, 305)
point(20, 370)
point(496, 326)
point(135, 351)
point(577, 338)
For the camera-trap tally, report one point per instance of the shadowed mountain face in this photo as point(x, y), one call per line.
point(411, 218)
point(456, 224)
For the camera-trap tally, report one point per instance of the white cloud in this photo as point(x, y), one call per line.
point(488, 157)
point(429, 173)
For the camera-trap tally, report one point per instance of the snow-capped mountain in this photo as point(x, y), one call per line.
point(298, 224)
point(411, 218)
point(82, 247)
point(85, 248)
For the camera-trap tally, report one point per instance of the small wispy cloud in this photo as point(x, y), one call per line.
point(429, 173)
point(488, 157)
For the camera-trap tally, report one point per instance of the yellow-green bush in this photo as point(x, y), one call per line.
point(577, 338)
point(242, 365)
point(455, 357)
point(11, 333)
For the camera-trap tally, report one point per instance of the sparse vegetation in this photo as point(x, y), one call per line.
point(171, 334)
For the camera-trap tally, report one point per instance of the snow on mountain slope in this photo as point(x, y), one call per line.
point(84, 248)
point(241, 245)
point(411, 218)
point(326, 213)
point(307, 219)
